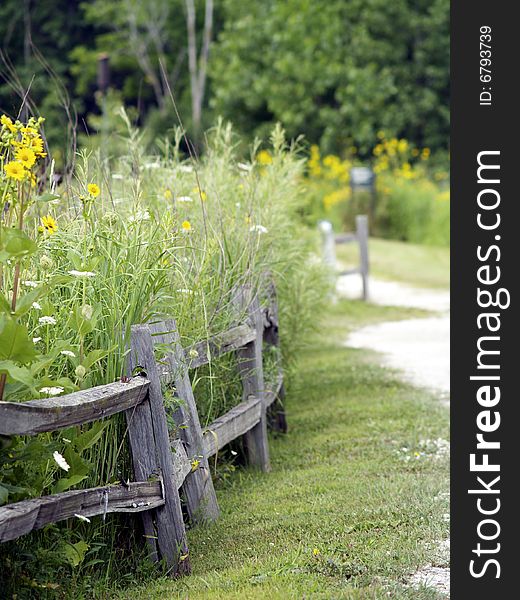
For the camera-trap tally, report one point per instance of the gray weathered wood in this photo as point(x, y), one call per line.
point(181, 462)
point(201, 500)
point(252, 375)
point(271, 393)
point(205, 351)
point(23, 517)
point(234, 423)
point(50, 414)
point(152, 453)
point(362, 235)
point(345, 238)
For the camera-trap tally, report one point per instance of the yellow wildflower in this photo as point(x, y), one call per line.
point(186, 225)
point(26, 156)
point(49, 224)
point(195, 464)
point(264, 157)
point(316, 552)
point(425, 153)
point(93, 190)
point(15, 170)
point(6, 122)
point(168, 194)
point(202, 193)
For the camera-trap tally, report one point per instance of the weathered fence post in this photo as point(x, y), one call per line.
point(198, 489)
point(328, 244)
point(252, 374)
point(362, 236)
point(152, 455)
point(276, 411)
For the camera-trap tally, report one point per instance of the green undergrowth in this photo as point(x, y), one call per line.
point(356, 500)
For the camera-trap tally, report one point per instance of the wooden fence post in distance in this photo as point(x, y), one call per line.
point(362, 236)
point(152, 455)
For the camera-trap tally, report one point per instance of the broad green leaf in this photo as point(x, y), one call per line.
point(47, 197)
point(15, 244)
point(24, 303)
point(66, 483)
point(89, 438)
point(95, 356)
point(17, 373)
point(74, 554)
point(15, 343)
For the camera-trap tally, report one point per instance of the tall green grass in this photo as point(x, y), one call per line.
point(172, 236)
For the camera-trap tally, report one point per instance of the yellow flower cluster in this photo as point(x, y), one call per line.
point(336, 197)
point(398, 157)
point(25, 143)
point(329, 167)
point(264, 158)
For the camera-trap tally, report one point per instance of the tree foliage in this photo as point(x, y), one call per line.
point(336, 71)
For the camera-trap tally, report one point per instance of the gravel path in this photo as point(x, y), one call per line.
point(420, 349)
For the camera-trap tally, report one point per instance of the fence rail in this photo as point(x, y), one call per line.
point(168, 465)
point(360, 236)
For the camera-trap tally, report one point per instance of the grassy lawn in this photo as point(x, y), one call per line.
point(424, 266)
point(355, 500)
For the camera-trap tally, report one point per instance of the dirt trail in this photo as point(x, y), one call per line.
point(420, 349)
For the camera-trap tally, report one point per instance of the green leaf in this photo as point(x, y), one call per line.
point(24, 303)
point(67, 482)
point(16, 373)
point(95, 356)
point(47, 197)
point(4, 495)
point(74, 554)
point(15, 244)
point(89, 438)
point(15, 343)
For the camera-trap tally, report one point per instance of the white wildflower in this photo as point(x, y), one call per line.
point(184, 291)
point(82, 518)
point(258, 229)
point(51, 391)
point(60, 461)
point(245, 166)
point(75, 273)
point(140, 215)
point(184, 199)
point(36, 340)
point(68, 353)
point(186, 168)
point(47, 320)
point(31, 284)
point(36, 306)
point(117, 176)
point(152, 165)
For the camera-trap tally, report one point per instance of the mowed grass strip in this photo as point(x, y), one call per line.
point(412, 264)
point(353, 505)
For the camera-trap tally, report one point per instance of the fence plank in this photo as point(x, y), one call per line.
point(205, 351)
point(252, 375)
point(151, 451)
point(23, 517)
point(234, 423)
point(362, 235)
point(50, 414)
point(198, 489)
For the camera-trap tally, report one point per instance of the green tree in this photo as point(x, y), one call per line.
point(337, 71)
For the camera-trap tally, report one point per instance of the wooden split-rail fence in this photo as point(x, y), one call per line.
point(168, 466)
point(360, 237)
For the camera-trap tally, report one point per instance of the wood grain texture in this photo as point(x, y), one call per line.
point(205, 351)
point(233, 424)
point(201, 500)
point(23, 517)
point(251, 372)
point(50, 414)
point(152, 452)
